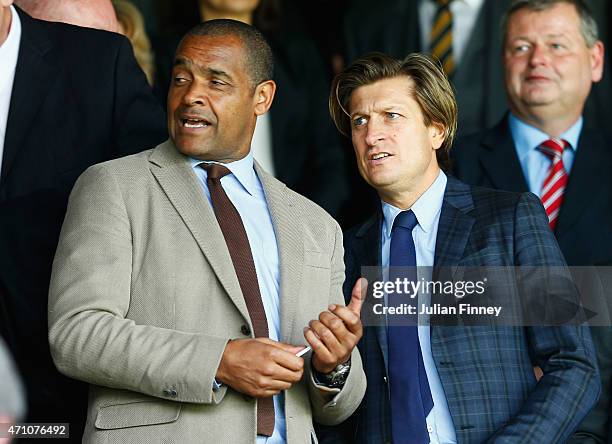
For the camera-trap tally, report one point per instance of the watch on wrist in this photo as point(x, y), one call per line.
point(336, 378)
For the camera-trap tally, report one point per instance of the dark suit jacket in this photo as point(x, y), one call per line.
point(393, 27)
point(486, 371)
point(78, 98)
point(584, 226)
point(306, 149)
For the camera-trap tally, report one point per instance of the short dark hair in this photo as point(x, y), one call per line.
point(588, 25)
point(259, 59)
point(432, 91)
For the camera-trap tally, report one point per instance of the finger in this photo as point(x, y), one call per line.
point(358, 296)
point(318, 347)
point(286, 359)
point(293, 349)
point(289, 348)
point(286, 376)
point(336, 325)
point(328, 338)
point(351, 321)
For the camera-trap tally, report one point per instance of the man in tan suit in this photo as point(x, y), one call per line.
point(149, 302)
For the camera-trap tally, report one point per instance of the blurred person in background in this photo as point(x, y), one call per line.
point(295, 141)
point(70, 97)
point(552, 58)
point(131, 25)
point(12, 403)
point(463, 35)
point(97, 14)
point(466, 36)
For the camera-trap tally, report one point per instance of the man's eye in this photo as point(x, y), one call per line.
point(179, 80)
point(393, 115)
point(556, 46)
point(359, 121)
point(521, 48)
point(215, 82)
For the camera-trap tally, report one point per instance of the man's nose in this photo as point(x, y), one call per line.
point(196, 94)
point(539, 55)
point(374, 132)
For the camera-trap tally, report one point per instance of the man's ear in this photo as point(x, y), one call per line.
point(264, 94)
point(437, 134)
point(597, 61)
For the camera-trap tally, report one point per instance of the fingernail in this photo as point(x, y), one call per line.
point(332, 307)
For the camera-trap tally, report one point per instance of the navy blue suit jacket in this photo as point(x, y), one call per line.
point(486, 371)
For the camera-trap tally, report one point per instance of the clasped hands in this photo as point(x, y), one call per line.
point(262, 367)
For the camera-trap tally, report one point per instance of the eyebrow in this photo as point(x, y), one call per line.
point(182, 61)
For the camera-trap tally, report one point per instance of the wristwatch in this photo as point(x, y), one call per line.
point(336, 378)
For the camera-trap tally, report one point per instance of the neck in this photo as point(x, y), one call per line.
point(209, 13)
point(406, 197)
point(552, 125)
point(5, 23)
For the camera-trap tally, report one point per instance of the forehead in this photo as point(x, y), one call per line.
point(559, 19)
point(224, 53)
point(396, 91)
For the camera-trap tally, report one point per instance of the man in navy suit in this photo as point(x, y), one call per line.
point(448, 384)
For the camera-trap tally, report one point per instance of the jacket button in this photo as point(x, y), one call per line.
point(170, 392)
point(245, 330)
point(385, 379)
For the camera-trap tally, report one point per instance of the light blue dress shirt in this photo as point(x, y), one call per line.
point(534, 163)
point(427, 211)
point(246, 193)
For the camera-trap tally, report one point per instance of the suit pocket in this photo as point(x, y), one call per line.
point(316, 259)
point(137, 414)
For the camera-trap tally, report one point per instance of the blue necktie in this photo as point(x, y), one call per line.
point(411, 399)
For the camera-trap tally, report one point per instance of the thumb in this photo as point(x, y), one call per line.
point(358, 296)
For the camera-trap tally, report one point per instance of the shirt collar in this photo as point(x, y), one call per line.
point(241, 169)
point(426, 208)
point(527, 137)
point(9, 49)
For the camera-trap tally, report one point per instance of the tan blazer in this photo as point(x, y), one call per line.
point(144, 298)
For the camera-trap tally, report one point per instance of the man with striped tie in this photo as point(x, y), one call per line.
point(552, 56)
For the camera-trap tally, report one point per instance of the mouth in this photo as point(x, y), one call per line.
point(536, 78)
point(194, 122)
point(378, 158)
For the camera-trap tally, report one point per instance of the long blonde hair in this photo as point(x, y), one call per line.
point(132, 24)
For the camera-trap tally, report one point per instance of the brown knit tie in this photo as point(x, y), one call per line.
point(240, 251)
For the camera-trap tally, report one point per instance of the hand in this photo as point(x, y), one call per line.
point(337, 331)
point(260, 367)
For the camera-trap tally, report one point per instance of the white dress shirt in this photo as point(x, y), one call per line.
point(244, 189)
point(465, 13)
point(534, 163)
point(9, 51)
point(427, 211)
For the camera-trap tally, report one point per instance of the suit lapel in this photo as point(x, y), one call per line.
point(591, 163)
point(455, 225)
point(499, 159)
point(33, 75)
point(176, 177)
point(369, 255)
point(289, 237)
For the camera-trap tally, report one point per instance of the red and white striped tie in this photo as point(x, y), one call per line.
point(555, 182)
